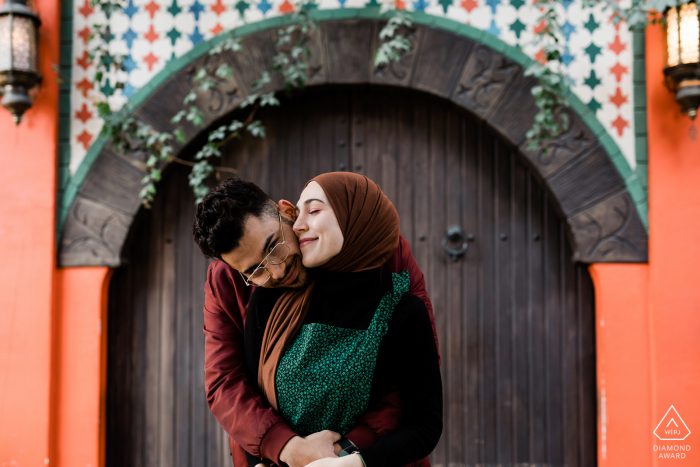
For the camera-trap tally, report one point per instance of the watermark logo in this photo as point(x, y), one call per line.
point(672, 427)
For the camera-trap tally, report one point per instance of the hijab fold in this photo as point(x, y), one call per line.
point(370, 226)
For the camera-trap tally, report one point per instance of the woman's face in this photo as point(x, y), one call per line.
point(320, 238)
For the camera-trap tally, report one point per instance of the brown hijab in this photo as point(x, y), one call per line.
point(370, 226)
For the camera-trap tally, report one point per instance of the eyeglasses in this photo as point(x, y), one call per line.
point(277, 255)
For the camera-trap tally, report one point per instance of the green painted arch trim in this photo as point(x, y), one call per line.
point(634, 186)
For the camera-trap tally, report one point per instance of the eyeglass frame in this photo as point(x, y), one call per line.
point(265, 259)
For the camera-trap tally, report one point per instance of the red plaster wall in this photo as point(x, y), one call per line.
point(80, 367)
point(674, 256)
point(623, 376)
point(27, 206)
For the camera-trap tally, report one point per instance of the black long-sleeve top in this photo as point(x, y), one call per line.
point(407, 357)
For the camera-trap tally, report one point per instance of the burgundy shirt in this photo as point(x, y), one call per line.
point(235, 401)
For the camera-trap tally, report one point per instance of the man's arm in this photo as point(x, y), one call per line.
point(235, 403)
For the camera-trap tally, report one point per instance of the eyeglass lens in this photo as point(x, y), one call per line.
point(277, 256)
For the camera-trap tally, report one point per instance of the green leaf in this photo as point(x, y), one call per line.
point(250, 100)
point(218, 134)
point(200, 74)
point(103, 109)
point(165, 152)
point(269, 99)
point(180, 135)
point(256, 129)
point(235, 125)
point(178, 117)
point(224, 71)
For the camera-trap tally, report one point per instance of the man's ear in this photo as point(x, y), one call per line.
point(287, 209)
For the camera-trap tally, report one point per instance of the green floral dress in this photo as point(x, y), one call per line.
point(324, 377)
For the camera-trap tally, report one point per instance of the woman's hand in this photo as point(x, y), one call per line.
point(299, 451)
point(353, 460)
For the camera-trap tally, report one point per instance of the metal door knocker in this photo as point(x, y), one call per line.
point(454, 234)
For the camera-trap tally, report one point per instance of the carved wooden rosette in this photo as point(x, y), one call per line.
point(588, 190)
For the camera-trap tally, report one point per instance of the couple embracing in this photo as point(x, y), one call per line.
point(320, 344)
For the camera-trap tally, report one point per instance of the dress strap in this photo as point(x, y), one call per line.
point(380, 322)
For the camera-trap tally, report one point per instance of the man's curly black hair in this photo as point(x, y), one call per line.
point(220, 217)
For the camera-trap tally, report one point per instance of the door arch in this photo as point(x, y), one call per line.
point(447, 59)
point(514, 315)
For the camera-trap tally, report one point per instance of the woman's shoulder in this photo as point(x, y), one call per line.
point(411, 308)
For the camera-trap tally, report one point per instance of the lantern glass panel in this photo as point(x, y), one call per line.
point(5, 42)
point(690, 34)
point(23, 44)
point(672, 38)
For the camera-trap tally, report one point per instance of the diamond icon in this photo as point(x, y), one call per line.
point(672, 427)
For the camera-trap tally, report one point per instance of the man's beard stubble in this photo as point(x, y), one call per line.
point(303, 276)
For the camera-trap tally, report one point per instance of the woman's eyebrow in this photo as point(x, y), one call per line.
point(309, 201)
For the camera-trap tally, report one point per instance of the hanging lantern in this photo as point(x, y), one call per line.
point(19, 67)
point(683, 56)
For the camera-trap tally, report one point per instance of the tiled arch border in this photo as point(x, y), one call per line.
point(616, 232)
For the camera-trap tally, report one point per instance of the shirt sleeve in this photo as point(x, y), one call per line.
point(416, 369)
point(233, 400)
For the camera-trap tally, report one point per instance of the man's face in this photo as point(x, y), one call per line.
point(260, 235)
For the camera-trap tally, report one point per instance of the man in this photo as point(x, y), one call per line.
point(251, 236)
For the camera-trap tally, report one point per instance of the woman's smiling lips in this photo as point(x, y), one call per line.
point(305, 241)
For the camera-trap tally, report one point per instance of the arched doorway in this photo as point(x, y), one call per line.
point(514, 314)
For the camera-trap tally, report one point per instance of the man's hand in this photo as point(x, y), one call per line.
point(299, 451)
point(352, 460)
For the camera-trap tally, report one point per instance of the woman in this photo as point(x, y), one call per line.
point(324, 354)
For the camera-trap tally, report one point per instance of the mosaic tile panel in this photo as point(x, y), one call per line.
point(598, 57)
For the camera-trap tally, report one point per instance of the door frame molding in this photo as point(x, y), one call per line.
point(589, 179)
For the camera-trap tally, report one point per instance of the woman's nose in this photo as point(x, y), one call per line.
point(300, 224)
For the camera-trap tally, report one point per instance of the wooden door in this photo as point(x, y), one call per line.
point(514, 314)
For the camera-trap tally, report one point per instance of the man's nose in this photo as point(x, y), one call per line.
point(277, 270)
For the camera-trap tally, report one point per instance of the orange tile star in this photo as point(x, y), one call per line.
point(84, 34)
point(218, 7)
point(618, 70)
point(84, 114)
point(151, 60)
point(620, 124)
point(469, 5)
point(286, 7)
point(539, 57)
point(618, 99)
point(217, 29)
point(84, 86)
point(84, 138)
point(86, 10)
point(84, 61)
point(151, 35)
point(151, 8)
point(617, 46)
